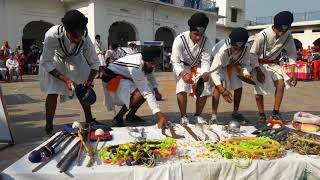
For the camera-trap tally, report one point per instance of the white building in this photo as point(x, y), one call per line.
point(307, 32)
point(117, 21)
point(234, 13)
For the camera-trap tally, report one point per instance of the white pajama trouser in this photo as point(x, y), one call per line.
point(121, 97)
point(184, 87)
point(14, 71)
point(272, 72)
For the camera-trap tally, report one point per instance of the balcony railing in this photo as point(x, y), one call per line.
point(205, 5)
point(298, 17)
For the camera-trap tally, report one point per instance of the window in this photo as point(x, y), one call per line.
point(234, 15)
point(316, 30)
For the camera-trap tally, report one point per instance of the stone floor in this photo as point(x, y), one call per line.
point(25, 104)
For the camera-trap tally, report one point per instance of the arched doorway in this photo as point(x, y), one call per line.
point(166, 35)
point(298, 44)
point(34, 31)
point(121, 32)
point(316, 42)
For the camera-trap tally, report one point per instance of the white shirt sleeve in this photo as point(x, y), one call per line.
point(246, 60)
point(205, 57)
point(90, 54)
point(177, 49)
point(217, 65)
point(49, 46)
point(256, 50)
point(142, 84)
point(291, 50)
point(152, 80)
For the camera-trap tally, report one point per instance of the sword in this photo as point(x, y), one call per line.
point(65, 156)
point(189, 130)
point(70, 157)
point(50, 158)
point(172, 131)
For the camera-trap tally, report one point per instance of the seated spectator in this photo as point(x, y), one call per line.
point(13, 67)
point(6, 48)
point(3, 70)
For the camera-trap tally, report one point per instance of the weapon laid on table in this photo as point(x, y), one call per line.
point(171, 126)
point(47, 150)
point(206, 138)
point(66, 155)
point(69, 158)
point(79, 155)
point(51, 157)
point(189, 130)
point(91, 151)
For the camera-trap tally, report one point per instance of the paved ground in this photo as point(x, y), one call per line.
point(25, 104)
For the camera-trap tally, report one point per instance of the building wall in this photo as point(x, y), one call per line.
point(146, 18)
point(225, 10)
point(15, 14)
point(301, 32)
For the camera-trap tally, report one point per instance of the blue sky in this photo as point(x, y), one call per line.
point(261, 8)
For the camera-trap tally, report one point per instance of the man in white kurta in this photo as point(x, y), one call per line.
point(68, 58)
point(13, 66)
point(100, 50)
point(134, 84)
point(265, 50)
point(231, 58)
point(191, 53)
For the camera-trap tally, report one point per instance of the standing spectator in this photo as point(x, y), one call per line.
point(18, 51)
point(100, 50)
point(13, 66)
point(33, 57)
point(133, 48)
point(3, 70)
point(120, 52)
point(111, 54)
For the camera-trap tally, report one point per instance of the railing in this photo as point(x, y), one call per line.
point(205, 5)
point(298, 17)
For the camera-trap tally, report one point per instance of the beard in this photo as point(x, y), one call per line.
point(147, 70)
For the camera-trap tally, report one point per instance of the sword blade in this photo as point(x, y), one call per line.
point(189, 130)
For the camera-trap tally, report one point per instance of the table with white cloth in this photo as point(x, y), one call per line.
point(291, 167)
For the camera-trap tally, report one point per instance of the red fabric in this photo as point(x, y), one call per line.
point(316, 69)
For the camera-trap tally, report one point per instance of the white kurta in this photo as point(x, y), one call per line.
point(131, 67)
point(100, 52)
point(267, 46)
point(181, 60)
point(76, 67)
point(222, 57)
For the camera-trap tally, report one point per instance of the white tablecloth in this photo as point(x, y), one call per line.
point(291, 167)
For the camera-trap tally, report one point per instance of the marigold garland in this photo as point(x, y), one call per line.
point(139, 153)
point(248, 148)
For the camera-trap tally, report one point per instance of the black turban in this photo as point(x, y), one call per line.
point(150, 53)
point(198, 22)
point(283, 20)
point(239, 37)
point(75, 22)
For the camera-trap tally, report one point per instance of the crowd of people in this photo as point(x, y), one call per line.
point(15, 62)
point(71, 59)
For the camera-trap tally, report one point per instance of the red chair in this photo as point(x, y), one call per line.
point(316, 69)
